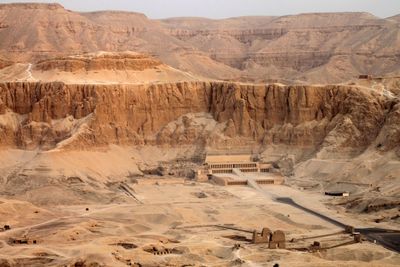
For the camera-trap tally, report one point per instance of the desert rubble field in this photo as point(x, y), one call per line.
point(80, 214)
point(161, 227)
point(248, 141)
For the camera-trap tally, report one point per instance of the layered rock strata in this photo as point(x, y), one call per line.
point(313, 48)
point(49, 115)
point(95, 62)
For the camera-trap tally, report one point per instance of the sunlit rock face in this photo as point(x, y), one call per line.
point(44, 115)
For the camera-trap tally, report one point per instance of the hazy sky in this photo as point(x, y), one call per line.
point(230, 8)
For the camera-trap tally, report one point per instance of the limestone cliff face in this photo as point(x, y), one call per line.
point(46, 115)
point(94, 62)
point(300, 115)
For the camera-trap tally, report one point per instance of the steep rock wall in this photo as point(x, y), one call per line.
point(343, 116)
point(93, 62)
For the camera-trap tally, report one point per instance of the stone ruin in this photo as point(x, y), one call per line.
point(22, 241)
point(161, 250)
point(274, 240)
point(262, 238)
point(357, 238)
point(316, 246)
point(278, 240)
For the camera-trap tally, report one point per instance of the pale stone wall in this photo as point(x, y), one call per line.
point(227, 158)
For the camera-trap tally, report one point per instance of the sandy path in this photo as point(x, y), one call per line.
point(29, 75)
point(29, 70)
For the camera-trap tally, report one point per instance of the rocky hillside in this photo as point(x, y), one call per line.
point(96, 68)
point(323, 47)
point(218, 114)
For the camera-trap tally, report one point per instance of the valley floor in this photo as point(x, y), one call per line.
point(189, 221)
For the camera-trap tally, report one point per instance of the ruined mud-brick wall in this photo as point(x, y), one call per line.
point(137, 114)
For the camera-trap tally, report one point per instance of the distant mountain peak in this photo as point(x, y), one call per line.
point(50, 6)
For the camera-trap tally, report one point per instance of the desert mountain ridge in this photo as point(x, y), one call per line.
point(96, 68)
point(314, 47)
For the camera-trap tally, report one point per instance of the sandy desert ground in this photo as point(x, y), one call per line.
point(168, 214)
point(97, 222)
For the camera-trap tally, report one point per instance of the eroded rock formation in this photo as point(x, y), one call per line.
point(47, 115)
point(313, 48)
point(99, 61)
